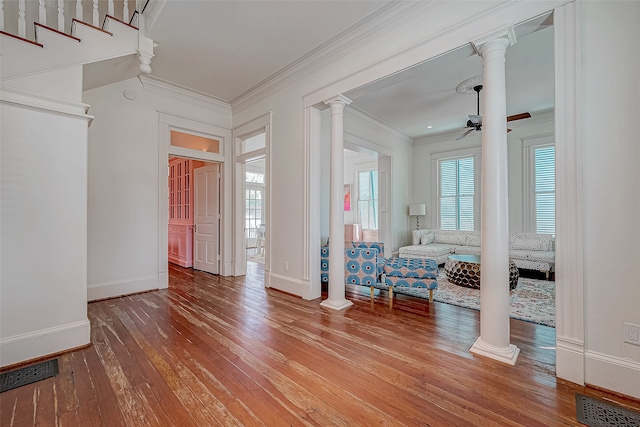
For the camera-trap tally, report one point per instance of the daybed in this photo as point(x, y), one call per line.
point(528, 250)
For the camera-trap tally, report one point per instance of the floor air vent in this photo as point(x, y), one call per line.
point(596, 413)
point(27, 375)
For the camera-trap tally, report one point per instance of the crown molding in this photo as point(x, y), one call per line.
point(48, 104)
point(152, 84)
point(321, 56)
point(372, 121)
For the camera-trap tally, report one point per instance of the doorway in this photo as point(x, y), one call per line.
point(196, 146)
point(251, 193)
point(194, 214)
point(255, 226)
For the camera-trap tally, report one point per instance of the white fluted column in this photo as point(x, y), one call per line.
point(336, 299)
point(494, 267)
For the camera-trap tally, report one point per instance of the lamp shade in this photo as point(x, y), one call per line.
point(417, 209)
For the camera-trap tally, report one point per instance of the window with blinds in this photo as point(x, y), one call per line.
point(368, 199)
point(457, 193)
point(544, 188)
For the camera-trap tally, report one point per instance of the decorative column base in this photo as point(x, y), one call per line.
point(336, 305)
point(501, 354)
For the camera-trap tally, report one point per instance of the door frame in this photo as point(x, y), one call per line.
point(257, 126)
point(167, 123)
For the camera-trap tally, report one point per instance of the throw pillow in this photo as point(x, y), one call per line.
point(450, 237)
point(473, 239)
point(427, 238)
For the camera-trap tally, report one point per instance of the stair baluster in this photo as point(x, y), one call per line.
point(111, 8)
point(125, 11)
point(79, 10)
point(61, 15)
point(42, 12)
point(96, 14)
point(1, 15)
point(22, 21)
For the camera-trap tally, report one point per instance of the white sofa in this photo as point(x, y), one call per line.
point(528, 250)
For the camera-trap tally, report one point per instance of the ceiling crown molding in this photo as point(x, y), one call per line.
point(162, 87)
point(321, 56)
point(373, 122)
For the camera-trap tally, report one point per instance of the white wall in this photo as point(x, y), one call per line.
point(123, 229)
point(610, 103)
point(424, 148)
point(43, 307)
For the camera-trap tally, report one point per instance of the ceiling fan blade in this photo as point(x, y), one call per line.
point(462, 135)
point(518, 117)
point(475, 119)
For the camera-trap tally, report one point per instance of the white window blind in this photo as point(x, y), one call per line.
point(368, 199)
point(457, 192)
point(545, 189)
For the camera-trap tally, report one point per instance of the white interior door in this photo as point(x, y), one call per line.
point(207, 218)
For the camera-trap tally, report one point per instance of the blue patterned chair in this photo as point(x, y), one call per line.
point(364, 265)
point(411, 273)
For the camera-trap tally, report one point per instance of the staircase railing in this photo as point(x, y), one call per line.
point(17, 17)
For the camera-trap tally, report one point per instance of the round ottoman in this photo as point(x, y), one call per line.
point(464, 270)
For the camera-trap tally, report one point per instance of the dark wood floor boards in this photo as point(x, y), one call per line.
point(224, 351)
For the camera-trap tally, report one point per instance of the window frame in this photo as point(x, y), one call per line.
point(436, 159)
point(529, 145)
point(377, 201)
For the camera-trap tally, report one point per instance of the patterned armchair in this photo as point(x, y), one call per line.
point(363, 263)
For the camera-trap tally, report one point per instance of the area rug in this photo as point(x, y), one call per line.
point(532, 300)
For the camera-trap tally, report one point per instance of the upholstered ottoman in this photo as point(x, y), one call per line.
point(411, 273)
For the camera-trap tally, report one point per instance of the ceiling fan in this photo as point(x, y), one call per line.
point(475, 120)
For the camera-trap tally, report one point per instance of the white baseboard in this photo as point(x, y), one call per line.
point(286, 284)
point(570, 360)
point(37, 344)
point(613, 373)
point(163, 280)
point(98, 291)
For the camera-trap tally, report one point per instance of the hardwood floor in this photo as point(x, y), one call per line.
point(215, 351)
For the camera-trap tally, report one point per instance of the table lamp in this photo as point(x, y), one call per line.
point(417, 209)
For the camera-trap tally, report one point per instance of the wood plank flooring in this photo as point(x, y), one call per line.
point(215, 351)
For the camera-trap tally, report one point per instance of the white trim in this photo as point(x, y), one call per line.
point(289, 284)
point(117, 288)
point(42, 103)
point(252, 127)
point(529, 145)
point(37, 344)
point(194, 154)
point(155, 85)
point(569, 115)
point(508, 355)
point(384, 19)
point(311, 208)
point(465, 29)
point(166, 123)
point(570, 359)
point(612, 373)
point(261, 124)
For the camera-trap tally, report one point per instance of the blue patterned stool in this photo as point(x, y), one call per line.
point(411, 273)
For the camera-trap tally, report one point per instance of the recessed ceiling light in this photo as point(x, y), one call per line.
point(429, 127)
